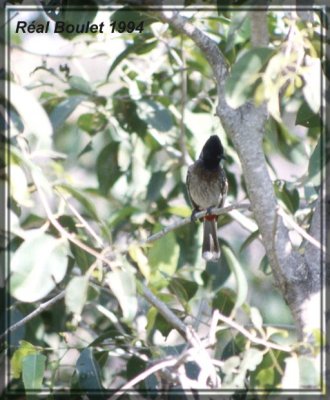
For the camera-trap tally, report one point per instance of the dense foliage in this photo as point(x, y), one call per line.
point(101, 137)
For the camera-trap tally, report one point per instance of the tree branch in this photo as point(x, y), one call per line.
point(196, 351)
point(71, 237)
point(185, 221)
point(259, 29)
point(42, 307)
point(245, 127)
point(170, 362)
point(309, 238)
point(314, 257)
point(250, 336)
point(164, 310)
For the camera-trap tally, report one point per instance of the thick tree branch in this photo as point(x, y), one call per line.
point(311, 307)
point(245, 127)
point(313, 253)
point(259, 29)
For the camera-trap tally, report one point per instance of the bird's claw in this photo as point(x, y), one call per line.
point(193, 215)
point(209, 210)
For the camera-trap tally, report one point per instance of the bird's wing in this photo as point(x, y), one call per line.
point(188, 187)
point(224, 186)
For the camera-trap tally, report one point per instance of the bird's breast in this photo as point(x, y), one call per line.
point(206, 187)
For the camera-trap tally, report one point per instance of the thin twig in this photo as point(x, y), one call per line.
point(250, 336)
point(154, 368)
point(213, 328)
point(82, 220)
point(183, 107)
point(185, 221)
point(42, 307)
point(63, 231)
point(32, 53)
point(195, 352)
point(300, 230)
point(202, 358)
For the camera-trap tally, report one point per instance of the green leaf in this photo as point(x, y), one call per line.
point(251, 359)
point(86, 149)
point(141, 45)
point(155, 185)
point(187, 288)
point(163, 258)
point(127, 14)
point(19, 186)
point(127, 113)
point(289, 144)
point(289, 197)
point(306, 117)
point(81, 257)
point(33, 369)
point(34, 117)
point(231, 364)
point(177, 289)
point(82, 198)
point(87, 13)
point(123, 214)
point(312, 88)
point(61, 112)
point(155, 115)
point(241, 282)
point(89, 374)
point(108, 170)
point(266, 375)
point(264, 265)
point(300, 371)
point(308, 371)
point(245, 72)
point(135, 366)
point(16, 361)
point(232, 183)
point(92, 123)
point(217, 272)
point(180, 210)
point(234, 347)
point(76, 294)
point(187, 239)
point(254, 235)
point(265, 378)
point(224, 301)
point(122, 284)
point(314, 166)
point(140, 259)
point(80, 84)
point(256, 318)
point(239, 29)
point(37, 266)
point(112, 334)
point(157, 322)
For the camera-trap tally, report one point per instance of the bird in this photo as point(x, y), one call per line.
point(207, 188)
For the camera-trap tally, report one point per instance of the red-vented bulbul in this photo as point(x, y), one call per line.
point(207, 187)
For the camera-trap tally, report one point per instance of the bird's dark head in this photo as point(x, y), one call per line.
point(212, 152)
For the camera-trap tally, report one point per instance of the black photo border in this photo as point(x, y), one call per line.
point(4, 220)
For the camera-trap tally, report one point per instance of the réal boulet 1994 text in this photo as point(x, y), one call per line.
point(63, 27)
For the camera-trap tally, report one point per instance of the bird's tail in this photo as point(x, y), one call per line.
point(210, 248)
